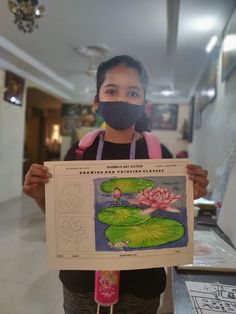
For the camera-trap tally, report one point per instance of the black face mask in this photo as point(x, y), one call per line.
point(120, 115)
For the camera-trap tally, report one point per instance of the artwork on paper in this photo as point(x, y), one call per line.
point(229, 48)
point(210, 298)
point(140, 213)
point(164, 116)
point(131, 214)
point(14, 88)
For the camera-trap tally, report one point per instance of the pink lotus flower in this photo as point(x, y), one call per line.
point(117, 193)
point(158, 199)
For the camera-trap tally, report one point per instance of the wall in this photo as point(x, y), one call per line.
point(12, 120)
point(218, 128)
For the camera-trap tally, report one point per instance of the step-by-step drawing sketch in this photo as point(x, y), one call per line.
point(69, 197)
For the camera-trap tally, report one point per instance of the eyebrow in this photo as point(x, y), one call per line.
point(114, 85)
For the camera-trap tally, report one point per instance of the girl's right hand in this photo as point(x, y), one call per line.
point(34, 184)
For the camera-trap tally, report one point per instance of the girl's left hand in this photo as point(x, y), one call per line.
point(199, 178)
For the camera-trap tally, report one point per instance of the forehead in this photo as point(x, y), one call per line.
point(122, 75)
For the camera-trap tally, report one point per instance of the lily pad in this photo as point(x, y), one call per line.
point(126, 185)
point(153, 232)
point(122, 215)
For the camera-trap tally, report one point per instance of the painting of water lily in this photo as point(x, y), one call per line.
point(140, 213)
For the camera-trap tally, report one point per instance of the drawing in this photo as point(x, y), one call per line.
point(72, 235)
point(73, 231)
point(212, 297)
point(145, 213)
point(70, 198)
point(121, 214)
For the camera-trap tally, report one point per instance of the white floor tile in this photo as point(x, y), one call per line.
point(27, 286)
point(21, 299)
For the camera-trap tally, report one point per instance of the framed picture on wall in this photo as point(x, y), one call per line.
point(198, 117)
point(77, 116)
point(207, 88)
point(229, 48)
point(164, 116)
point(191, 119)
point(14, 85)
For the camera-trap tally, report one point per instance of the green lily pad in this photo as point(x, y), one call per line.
point(153, 232)
point(122, 215)
point(126, 185)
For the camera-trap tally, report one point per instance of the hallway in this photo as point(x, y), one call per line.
point(27, 285)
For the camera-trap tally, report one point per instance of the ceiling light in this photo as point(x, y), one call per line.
point(204, 24)
point(167, 93)
point(211, 44)
point(229, 43)
point(211, 92)
point(94, 51)
point(26, 13)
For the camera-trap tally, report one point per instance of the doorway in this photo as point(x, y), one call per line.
point(42, 128)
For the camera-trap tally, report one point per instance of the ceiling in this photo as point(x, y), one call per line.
point(168, 36)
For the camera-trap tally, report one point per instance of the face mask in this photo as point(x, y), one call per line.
point(120, 115)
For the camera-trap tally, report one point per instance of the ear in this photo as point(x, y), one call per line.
point(95, 103)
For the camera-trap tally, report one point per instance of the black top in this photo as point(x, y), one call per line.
point(145, 283)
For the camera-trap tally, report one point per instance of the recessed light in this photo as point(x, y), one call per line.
point(167, 93)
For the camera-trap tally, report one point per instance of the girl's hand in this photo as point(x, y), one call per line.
point(34, 184)
point(199, 178)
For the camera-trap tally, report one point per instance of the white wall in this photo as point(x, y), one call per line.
point(12, 120)
point(212, 141)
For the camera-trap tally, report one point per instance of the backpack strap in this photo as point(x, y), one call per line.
point(86, 141)
point(152, 141)
point(153, 145)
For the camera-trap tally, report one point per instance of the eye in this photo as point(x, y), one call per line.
point(111, 92)
point(133, 93)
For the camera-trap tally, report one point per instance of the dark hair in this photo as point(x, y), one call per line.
point(143, 124)
point(121, 60)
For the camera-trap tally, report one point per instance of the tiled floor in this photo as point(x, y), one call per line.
point(27, 286)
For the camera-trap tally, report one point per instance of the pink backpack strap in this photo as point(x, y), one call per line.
point(86, 141)
point(153, 145)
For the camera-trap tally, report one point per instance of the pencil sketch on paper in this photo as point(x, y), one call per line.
point(140, 213)
point(73, 231)
point(69, 197)
point(210, 298)
point(72, 234)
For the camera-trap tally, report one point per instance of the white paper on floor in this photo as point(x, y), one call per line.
point(209, 298)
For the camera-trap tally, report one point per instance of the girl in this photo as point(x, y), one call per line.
point(121, 89)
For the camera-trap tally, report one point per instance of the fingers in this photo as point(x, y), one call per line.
point(199, 191)
point(38, 170)
point(28, 188)
point(37, 175)
point(199, 178)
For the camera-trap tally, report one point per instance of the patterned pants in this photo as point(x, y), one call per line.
point(77, 303)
